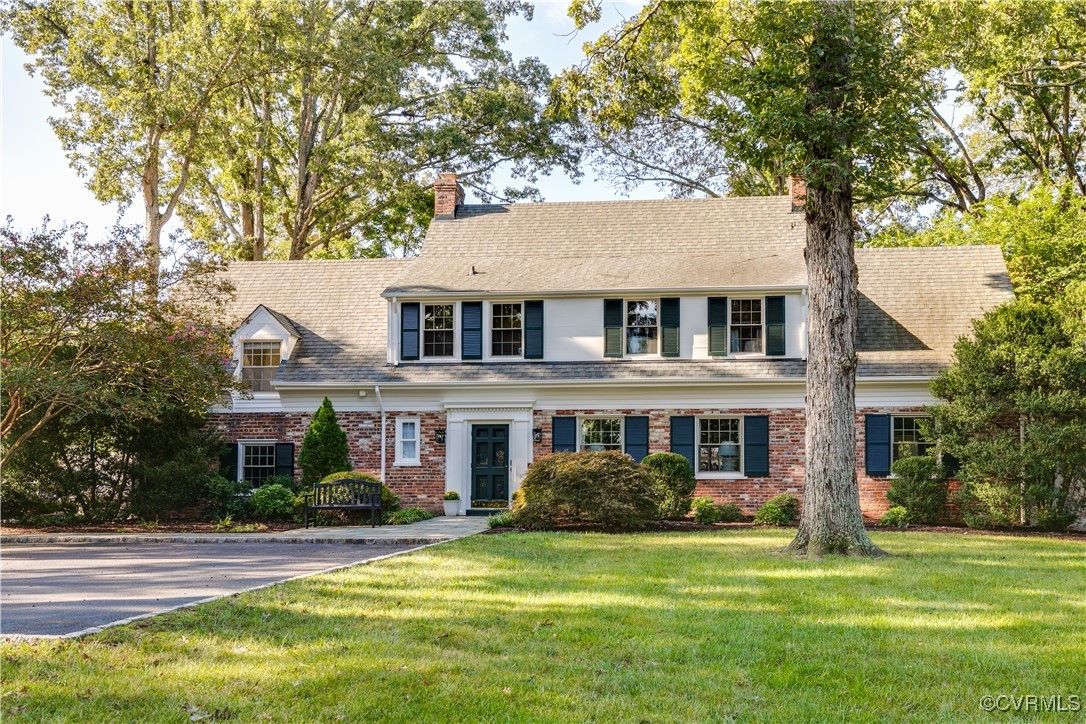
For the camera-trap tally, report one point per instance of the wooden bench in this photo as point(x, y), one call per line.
point(345, 494)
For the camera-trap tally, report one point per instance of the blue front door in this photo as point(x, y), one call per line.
point(490, 462)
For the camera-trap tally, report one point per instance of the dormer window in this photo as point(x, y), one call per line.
point(259, 362)
point(438, 330)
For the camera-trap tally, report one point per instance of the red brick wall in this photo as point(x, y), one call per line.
point(421, 485)
point(786, 453)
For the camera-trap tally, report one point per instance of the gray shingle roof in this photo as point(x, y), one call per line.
point(915, 302)
point(668, 244)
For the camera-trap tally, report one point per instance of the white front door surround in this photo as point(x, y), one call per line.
point(459, 419)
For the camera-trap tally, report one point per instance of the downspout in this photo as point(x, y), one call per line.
point(381, 404)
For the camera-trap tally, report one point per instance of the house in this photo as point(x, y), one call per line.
point(643, 326)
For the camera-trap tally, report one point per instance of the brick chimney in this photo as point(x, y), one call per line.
point(448, 194)
point(797, 190)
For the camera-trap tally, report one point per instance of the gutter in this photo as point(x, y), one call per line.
point(668, 382)
point(392, 293)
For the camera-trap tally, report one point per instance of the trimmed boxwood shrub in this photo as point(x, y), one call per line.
point(730, 513)
point(227, 498)
point(673, 482)
point(771, 514)
point(919, 486)
point(706, 512)
point(272, 502)
point(896, 517)
point(789, 505)
point(607, 488)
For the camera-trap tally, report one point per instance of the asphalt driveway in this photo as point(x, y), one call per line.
point(61, 589)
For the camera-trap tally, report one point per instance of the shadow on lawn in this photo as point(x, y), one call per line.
point(627, 627)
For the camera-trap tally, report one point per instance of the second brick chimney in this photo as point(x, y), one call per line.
point(448, 194)
point(797, 189)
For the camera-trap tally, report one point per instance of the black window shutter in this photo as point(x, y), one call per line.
point(682, 439)
point(533, 330)
point(471, 330)
point(637, 437)
point(612, 328)
point(718, 326)
point(877, 445)
point(228, 462)
point(756, 445)
point(669, 327)
point(409, 330)
point(284, 459)
point(564, 434)
point(774, 326)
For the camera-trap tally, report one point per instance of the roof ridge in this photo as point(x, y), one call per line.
point(599, 202)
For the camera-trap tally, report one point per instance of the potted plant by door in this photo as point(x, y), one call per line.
point(452, 503)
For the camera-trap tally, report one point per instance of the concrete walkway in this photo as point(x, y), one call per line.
point(435, 530)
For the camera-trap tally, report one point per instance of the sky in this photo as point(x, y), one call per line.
point(36, 180)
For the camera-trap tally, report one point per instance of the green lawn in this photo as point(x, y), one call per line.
point(654, 627)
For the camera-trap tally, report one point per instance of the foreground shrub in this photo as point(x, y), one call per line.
point(989, 505)
point(896, 517)
point(502, 520)
point(673, 482)
point(789, 505)
point(772, 514)
point(408, 516)
point(920, 487)
point(227, 498)
point(286, 481)
point(706, 512)
point(272, 502)
point(607, 488)
point(731, 513)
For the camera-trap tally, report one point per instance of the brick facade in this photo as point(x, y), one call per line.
point(420, 485)
point(423, 485)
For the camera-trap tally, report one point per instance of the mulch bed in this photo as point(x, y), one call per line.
point(162, 527)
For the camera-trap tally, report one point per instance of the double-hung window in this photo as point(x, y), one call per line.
point(407, 441)
point(257, 462)
point(600, 433)
point(746, 326)
point(438, 330)
point(719, 446)
point(259, 362)
point(907, 438)
point(642, 320)
point(506, 330)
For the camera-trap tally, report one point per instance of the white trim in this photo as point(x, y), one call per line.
point(633, 381)
point(472, 295)
point(739, 474)
point(402, 461)
point(745, 355)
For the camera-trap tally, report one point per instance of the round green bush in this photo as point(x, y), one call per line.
point(896, 517)
point(226, 498)
point(390, 502)
point(673, 482)
point(771, 514)
point(731, 513)
point(706, 512)
point(919, 486)
point(605, 488)
point(789, 505)
point(272, 502)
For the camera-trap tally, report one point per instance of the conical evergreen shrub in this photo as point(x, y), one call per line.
point(324, 447)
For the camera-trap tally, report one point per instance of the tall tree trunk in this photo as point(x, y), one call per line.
point(831, 520)
point(152, 216)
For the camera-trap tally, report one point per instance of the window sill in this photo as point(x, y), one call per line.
point(720, 476)
point(407, 464)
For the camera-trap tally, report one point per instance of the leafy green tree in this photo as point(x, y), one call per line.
point(331, 151)
point(133, 84)
point(78, 338)
point(324, 447)
point(1014, 414)
point(804, 87)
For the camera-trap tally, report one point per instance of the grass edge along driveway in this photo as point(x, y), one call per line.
point(562, 626)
